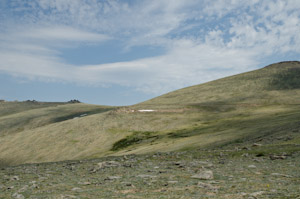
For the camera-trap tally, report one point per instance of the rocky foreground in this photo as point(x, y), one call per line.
point(237, 173)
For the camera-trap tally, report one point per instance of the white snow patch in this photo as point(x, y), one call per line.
point(146, 110)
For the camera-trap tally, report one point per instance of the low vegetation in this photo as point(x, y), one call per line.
point(237, 173)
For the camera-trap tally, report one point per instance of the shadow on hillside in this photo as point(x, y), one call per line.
point(81, 114)
point(289, 79)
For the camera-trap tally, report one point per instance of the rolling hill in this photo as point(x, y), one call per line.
point(261, 106)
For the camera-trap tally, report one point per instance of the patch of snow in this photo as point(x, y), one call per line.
point(146, 110)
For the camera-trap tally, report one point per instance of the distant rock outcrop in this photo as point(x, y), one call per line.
point(74, 101)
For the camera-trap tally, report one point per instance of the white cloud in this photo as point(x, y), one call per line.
point(204, 40)
point(63, 34)
point(187, 63)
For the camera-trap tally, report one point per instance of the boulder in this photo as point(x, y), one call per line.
point(204, 175)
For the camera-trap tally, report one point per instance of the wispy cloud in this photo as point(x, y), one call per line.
point(203, 40)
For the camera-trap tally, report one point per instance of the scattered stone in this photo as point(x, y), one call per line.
point(207, 186)
point(281, 175)
point(179, 164)
point(23, 189)
point(256, 145)
point(11, 187)
point(112, 178)
point(107, 164)
point(252, 166)
point(204, 175)
point(208, 166)
point(18, 196)
point(85, 183)
point(35, 186)
point(129, 191)
point(146, 176)
point(214, 182)
point(15, 178)
point(244, 194)
point(257, 160)
point(43, 178)
point(76, 189)
point(68, 197)
point(258, 193)
point(278, 157)
point(128, 184)
point(172, 182)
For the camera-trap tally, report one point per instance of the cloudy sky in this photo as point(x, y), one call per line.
point(120, 52)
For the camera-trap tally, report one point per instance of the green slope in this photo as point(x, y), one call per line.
point(8, 108)
point(275, 84)
point(259, 106)
point(20, 116)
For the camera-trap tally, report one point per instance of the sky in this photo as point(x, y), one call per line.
point(121, 52)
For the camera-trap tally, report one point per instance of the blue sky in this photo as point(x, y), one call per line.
point(118, 52)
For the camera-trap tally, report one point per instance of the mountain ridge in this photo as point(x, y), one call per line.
point(239, 109)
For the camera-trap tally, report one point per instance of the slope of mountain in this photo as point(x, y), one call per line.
point(19, 116)
point(274, 84)
point(259, 106)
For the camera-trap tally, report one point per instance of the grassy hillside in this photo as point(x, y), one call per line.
point(8, 108)
point(275, 84)
point(261, 106)
point(30, 115)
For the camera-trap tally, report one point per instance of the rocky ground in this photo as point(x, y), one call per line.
point(237, 173)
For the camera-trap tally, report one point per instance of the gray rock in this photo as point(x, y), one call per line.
point(256, 145)
point(281, 175)
point(23, 189)
point(68, 197)
point(146, 176)
point(258, 193)
point(112, 178)
point(35, 186)
point(252, 166)
point(15, 178)
point(207, 186)
point(18, 196)
point(278, 157)
point(204, 175)
point(85, 183)
point(76, 189)
point(128, 184)
point(106, 164)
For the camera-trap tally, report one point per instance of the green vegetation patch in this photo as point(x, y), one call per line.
point(135, 138)
point(189, 132)
point(290, 79)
